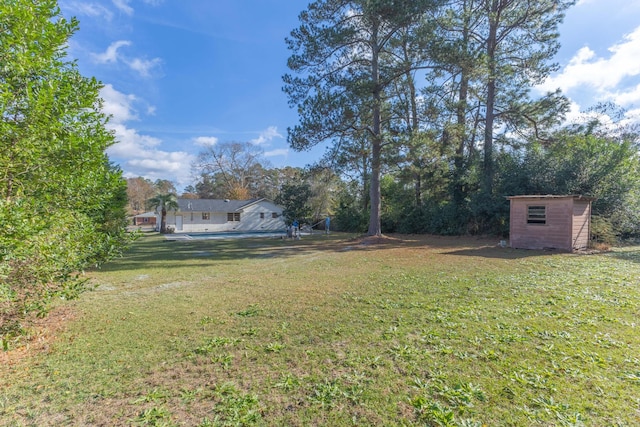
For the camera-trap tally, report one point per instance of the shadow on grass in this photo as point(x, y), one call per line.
point(501, 253)
point(154, 250)
point(626, 254)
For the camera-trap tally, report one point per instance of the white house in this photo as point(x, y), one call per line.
point(214, 215)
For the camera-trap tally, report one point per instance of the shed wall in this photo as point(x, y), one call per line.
point(581, 224)
point(556, 233)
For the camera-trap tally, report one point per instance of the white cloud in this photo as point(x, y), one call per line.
point(123, 5)
point(599, 73)
point(131, 143)
point(266, 135)
point(118, 105)
point(93, 10)
point(206, 141)
point(111, 54)
point(277, 152)
point(143, 66)
point(629, 97)
point(162, 163)
point(139, 154)
point(633, 115)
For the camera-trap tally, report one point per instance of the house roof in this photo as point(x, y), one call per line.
point(146, 215)
point(214, 205)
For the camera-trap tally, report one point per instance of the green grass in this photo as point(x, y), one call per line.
point(326, 331)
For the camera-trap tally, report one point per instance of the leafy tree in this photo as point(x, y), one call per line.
point(234, 167)
point(163, 202)
point(62, 204)
point(164, 186)
point(351, 160)
point(294, 197)
point(210, 187)
point(345, 64)
point(323, 183)
point(273, 179)
point(189, 192)
point(591, 163)
point(139, 190)
point(347, 214)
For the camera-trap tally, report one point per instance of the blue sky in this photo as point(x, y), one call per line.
point(182, 74)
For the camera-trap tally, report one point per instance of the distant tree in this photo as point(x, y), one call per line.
point(294, 197)
point(273, 180)
point(323, 184)
point(209, 187)
point(163, 203)
point(189, 192)
point(139, 190)
point(164, 186)
point(235, 167)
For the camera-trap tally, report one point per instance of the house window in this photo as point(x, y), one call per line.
point(274, 215)
point(145, 220)
point(537, 214)
point(205, 216)
point(261, 215)
point(233, 216)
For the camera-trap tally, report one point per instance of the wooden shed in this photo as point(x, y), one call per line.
point(550, 222)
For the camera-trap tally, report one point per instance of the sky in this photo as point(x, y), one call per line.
point(179, 75)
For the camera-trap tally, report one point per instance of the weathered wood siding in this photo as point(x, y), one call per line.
point(581, 224)
point(566, 227)
point(556, 233)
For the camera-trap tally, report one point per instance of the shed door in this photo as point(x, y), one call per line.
point(179, 223)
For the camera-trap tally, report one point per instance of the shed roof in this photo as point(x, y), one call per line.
point(214, 205)
point(552, 196)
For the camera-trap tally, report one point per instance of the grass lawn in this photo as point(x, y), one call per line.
point(329, 331)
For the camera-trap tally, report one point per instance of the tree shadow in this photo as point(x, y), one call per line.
point(503, 253)
point(626, 254)
point(154, 251)
point(157, 252)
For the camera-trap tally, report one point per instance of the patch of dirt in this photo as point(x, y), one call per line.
point(42, 333)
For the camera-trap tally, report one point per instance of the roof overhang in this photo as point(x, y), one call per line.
point(551, 196)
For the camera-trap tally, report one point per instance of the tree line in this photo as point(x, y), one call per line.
point(430, 121)
point(429, 105)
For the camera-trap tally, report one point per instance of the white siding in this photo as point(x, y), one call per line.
point(250, 219)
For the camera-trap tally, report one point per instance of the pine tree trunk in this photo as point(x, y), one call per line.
point(491, 96)
point(375, 228)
